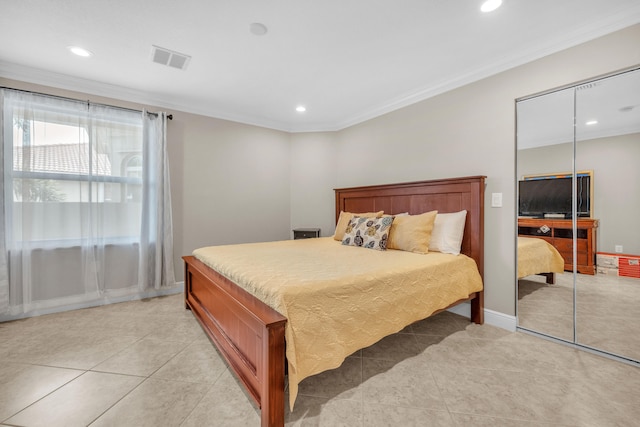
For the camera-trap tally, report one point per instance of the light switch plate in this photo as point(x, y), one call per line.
point(496, 200)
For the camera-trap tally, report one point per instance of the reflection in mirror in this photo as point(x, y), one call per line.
point(545, 150)
point(595, 302)
point(608, 142)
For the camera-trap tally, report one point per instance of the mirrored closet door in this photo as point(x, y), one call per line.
point(545, 149)
point(578, 173)
point(608, 142)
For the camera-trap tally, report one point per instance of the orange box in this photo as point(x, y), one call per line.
point(629, 266)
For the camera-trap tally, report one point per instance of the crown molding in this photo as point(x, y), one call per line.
point(92, 87)
point(582, 35)
point(607, 25)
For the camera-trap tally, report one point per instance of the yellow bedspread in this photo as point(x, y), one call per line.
point(339, 299)
point(537, 256)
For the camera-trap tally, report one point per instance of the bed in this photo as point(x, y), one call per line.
point(538, 257)
point(250, 333)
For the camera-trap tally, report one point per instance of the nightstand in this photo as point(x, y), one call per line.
point(305, 233)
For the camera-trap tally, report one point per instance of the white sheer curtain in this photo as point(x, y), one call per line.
point(85, 206)
point(156, 254)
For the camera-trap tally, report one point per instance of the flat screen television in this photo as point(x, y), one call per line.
point(552, 197)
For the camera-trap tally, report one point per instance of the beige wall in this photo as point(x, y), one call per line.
point(313, 179)
point(236, 183)
point(468, 131)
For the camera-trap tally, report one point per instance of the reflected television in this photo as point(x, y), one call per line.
point(550, 197)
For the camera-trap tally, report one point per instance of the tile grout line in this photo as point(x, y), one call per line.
point(146, 378)
point(48, 394)
point(117, 352)
point(200, 400)
point(118, 400)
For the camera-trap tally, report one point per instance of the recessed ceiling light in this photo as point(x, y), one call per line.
point(80, 51)
point(591, 122)
point(258, 29)
point(301, 108)
point(490, 5)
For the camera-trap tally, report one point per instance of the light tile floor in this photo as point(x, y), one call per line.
point(148, 363)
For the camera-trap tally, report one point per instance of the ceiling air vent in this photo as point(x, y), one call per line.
point(588, 86)
point(169, 58)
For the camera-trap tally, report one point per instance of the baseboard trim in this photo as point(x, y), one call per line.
point(105, 300)
point(493, 318)
point(500, 320)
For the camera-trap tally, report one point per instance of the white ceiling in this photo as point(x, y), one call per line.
point(345, 60)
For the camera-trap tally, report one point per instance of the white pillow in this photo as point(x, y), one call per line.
point(447, 233)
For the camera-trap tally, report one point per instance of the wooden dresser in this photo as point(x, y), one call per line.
point(559, 233)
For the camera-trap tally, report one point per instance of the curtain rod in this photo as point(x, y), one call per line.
point(169, 116)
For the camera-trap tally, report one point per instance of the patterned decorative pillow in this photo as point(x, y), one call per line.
point(344, 219)
point(371, 233)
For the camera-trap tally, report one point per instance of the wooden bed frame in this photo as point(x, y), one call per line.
point(549, 278)
point(250, 335)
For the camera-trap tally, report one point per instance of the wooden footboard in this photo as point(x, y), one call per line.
point(248, 333)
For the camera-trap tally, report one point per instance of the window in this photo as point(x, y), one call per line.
point(67, 159)
point(86, 215)
point(132, 166)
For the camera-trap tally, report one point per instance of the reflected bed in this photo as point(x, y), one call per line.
point(538, 257)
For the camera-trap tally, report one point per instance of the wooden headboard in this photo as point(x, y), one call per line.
point(443, 195)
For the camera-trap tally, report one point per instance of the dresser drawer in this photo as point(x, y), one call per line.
point(566, 245)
